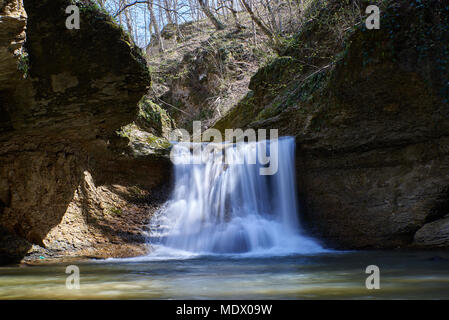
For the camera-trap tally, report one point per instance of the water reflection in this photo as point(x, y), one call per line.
point(417, 275)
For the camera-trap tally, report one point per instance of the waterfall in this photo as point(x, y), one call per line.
point(220, 207)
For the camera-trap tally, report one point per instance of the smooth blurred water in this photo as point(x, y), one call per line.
point(403, 275)
point(223, 203)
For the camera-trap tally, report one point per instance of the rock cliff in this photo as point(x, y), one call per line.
point(369, 110)
point(370, 113)
point(64, 187)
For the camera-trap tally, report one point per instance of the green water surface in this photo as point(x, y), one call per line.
point(336, 275)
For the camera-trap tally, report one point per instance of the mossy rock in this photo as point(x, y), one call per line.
point(152, 117)
point(275, 74)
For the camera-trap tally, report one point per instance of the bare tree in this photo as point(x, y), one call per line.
point(234, 12)
point(167, 9)
point(154, 23)
point(256, 20)
point(217, 23)
point(129, 25)
point(102, 3)
point(273, 18)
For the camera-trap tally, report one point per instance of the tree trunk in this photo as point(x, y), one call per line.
point(155, 25)
point(129, 25)
point(235, 15)
point(259, 23)
point(167, 11)
point(217, 23)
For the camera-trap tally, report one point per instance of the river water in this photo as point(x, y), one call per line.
point(231, 231)
point(332, 275)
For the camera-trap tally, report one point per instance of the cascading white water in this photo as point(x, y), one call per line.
point(232, 208)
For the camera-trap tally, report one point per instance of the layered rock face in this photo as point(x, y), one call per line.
point(12, 37)
point(62, 186)
point(371, 124)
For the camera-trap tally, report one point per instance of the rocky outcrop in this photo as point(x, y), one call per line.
point(370, 115)
point(62, 185)
point(12, 37)
point(434, 234)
